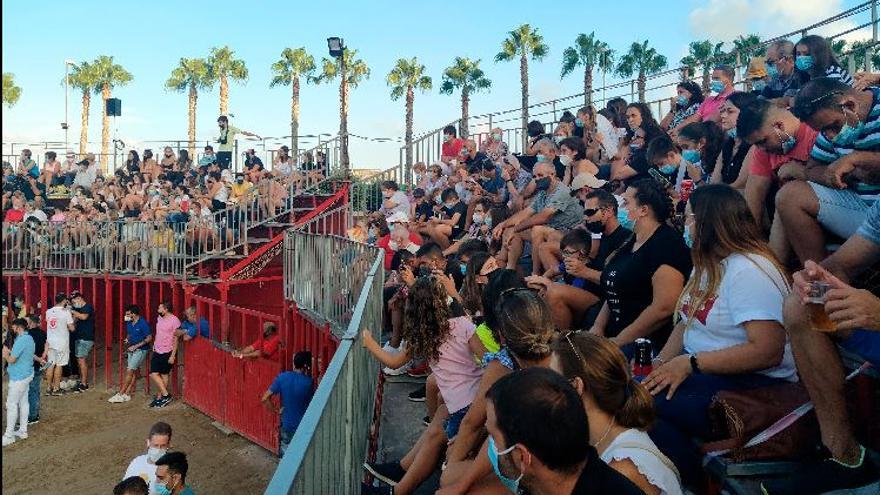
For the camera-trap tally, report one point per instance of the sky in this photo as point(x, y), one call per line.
point(149, 38)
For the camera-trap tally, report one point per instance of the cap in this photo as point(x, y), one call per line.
point(586, 180)
point(397, 217)
point(82, 162)
point(757, 68)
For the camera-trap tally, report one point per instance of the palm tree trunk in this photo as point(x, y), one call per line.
point(224, 95)
point(84, 127)
point(524, 81)
point(588, 85)
point(641, 86)
point(465, 107)
point(193, 98)
point(105, 129)
point(343, 120)
point(294, 121)
point(410, 97)
point(705, 79)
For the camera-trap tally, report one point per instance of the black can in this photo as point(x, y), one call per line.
point(644, 352)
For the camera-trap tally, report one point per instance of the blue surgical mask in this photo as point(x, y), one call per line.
point(692, 156)
point(682, 100)
point(804, 62)
point(688, 240)
point(541, 158)
point(163, 489)
point(578, 122)
point(558, 139)
point(669, 168)
point(772, 71)
point(463, 267)
point(760, 84)
point(625, 220)
point(848, 134)
point(716, 86)
point(788, 143)
point(731, 133)
point(510, 484)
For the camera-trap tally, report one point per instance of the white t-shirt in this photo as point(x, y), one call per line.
point(140, 467)
point(610, 137)
point(638, 447)
point(57, 333)
point(401, 200)
point(751, 289)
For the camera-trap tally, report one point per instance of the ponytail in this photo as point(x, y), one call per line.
point(638, 407)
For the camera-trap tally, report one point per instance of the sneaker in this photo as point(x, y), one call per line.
point(376, 490)
point(426, 421)
point(20, 434)
point(125, 397)
point(50, 393)
point(418, 395)
point(396, 371)
point(419, 371)
point(67, 384)
point(155, 401)
point(826, 476)
point(81, 387)
point(164, 401)
point(8, 440)
point(389, 473)
point(33, 421)
point(116, 399)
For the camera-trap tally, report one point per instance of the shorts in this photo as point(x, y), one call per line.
point(136, 359)
point(453, 422)
point(224, 159)
point(864, 343)
point(159, 363)
point(59, 357)
point(841, 211)
point(82, 348)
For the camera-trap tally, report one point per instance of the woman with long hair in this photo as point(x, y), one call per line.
point(620, 411)
point(573, 155)
point(631, 164)
point(729, 333)
point(683, 108)
point(701, 144)
point(814, 58)
point(732, 165)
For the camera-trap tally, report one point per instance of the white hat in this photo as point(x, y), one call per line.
point(586, 179)
point(397, 217)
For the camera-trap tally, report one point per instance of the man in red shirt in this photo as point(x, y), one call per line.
point(266, 347)
point(782, 148)
point(451, 145)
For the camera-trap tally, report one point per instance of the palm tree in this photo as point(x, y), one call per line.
point(287, 70)
point(84, 78)
point(643, 61)
point(587, 52)
point(406, 77)
point(11, 92)
point(465, 74)
point(526, 43)
point(706, 55)
point(748, 46)
point(108, 75)
point(223, 67)
point(192, 74)
point(351, 71)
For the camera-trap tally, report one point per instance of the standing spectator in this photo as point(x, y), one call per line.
point(720, 87)
point(164, 351)
point(784, 82)
point(171, 471)
point(84, 315)
point(265, 347)
point(296, 389)
point(40, 350)
point(226, 141)
point(193, 326)
point(138, 337)
point(815, 59)
point(59, 325)
point(133, 485)
point(21, 372)
point(144, 465)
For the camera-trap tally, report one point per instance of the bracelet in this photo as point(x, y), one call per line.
point(658, 358)
point(695, 367)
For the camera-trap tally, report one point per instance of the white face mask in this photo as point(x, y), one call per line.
point(393, 245)
point(478, 218)
point(154, 453)
point(128, 318)
point(565, 159)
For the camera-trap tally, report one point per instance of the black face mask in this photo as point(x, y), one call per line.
point(595, 227)
point(542, 184)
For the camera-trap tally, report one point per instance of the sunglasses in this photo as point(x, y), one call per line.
point(567, 337)
point(588, 212)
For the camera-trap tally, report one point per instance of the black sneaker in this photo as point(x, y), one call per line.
point(164, 401)
point(376, 490)
point(34, 421)
point(389, 473)
point(79, 388)
point(426, 421)
point(827, 476)
point(418, 395)
point(155, 402)
point(50, 393)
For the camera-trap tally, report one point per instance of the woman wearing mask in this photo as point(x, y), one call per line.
point(643, 279)
point(536, 132)
point(683, 107)
point(735, 152)
point(700, 145)
point(435, 180)
point(619, 410)
point(814, 58)
point(631, 163)
point(572, 154)
point(494, 146)
point(151, 169)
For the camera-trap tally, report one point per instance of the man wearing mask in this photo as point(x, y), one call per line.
point(451, 146)
point(266, 347)
point(144, 465)
point(84, 319)
point(226, 140)
point(59, 325)
point(171, 472)
point(720, 87)
point(393, 199)
point(240, 187)
point(138, 337)
point(208, 157)
point(780, 67)
point(20, 369)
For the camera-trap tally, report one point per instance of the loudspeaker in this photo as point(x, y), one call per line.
point(114, 107)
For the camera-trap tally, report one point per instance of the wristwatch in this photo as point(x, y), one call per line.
point(695, 367)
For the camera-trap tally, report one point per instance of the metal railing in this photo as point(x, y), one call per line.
point(331, 442)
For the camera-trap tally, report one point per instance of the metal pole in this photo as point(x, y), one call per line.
point(66, 96)
point(604, 101)
point(874, 20)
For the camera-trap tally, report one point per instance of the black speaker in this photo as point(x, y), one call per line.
point(114, 107)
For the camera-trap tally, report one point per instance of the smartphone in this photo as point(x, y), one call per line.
point(656, 175)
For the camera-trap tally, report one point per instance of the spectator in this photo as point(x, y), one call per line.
point(16, 213)
point(34, 209)
point(59, 325)
point(573, 156)
point(144, 466)
point(491, 181)
point(450, 226)
point(40, 353)
point(683, 108)
point(784, 82)
point(295, 388)
point(494, 146)
point(631, 163)
point(208, 157)
point(241, 188)
point(268, 346)
point(402, 239)
point(814, 59)
point(282, 165)
point(536, 132)
point(19, 361)
point(133, 485)
point(51, 169)
point(33, 188)
point(732, 166)
point(436, 179)
point(394, 200)
point(193, 325)
point(701, 144)
point(226, 141)
point(171, 471)
point(720, 87)
point(169, 160)
point(670, 159)
point(138, 337)
point(451, 146)
point(538, 438)
point(756, 75)
point(164, 353)
point(84, 337)
point(132, 165)
point(87, 172)
point(27, 166)
point(251, 161)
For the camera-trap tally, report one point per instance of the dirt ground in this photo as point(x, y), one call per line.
point(83, 444)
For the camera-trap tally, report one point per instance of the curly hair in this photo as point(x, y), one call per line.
point(426, 318)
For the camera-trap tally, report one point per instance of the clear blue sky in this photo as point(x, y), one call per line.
point(148, 38)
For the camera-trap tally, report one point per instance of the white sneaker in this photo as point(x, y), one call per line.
point(67, 384)
point(396, 371)
point(125, 397)
point(20, 434)
point(115, 399)
point(8, 440)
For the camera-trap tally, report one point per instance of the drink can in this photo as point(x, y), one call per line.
point(687, 187)
point(644, 354)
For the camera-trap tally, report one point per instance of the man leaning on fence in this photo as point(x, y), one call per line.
point(295, 389)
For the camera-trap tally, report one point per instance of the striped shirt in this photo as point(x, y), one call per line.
point(826, 152)
point(839, 73)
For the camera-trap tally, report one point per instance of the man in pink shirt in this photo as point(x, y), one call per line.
point(720, 87)
point(164, 351)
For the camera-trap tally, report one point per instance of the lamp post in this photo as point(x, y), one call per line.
point(336, 46)
point(65, 125)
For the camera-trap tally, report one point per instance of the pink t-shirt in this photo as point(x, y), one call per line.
point(458, 376)
point(710, 106)
point(165, 327)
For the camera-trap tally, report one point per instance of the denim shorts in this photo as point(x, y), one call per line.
point(136, 359)
point(82, 348)
point(453, 422)
point(841, 211)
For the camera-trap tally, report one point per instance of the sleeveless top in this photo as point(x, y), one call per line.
point(731, 162)
point(638, 447)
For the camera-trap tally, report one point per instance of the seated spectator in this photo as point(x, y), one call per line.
point(451, 147)
point(583, 184)
point(569, 296)
point(86, 173)
point(630, 163)
point(436, 179)
point(450, 225)
point(267, 346)
point(282, 165)
point(494, 146)
point(171, 471)
point(240, 189)
point(814, 59)
point(16, 213)
point(732, 166)
point(144, 465)
point(536, 425)
point(491, 182)
point(27, 166)
point(402, 239)
point(572, 154)
point(701, 144)
point(784, 81)
point(601, 375)
point(421, 207)
point(133, 485)
point(669, 158)
point(729, 333)
point(720, 87)
point(295, 389)
point(193, 325)
point(853, 322)
point(208, 157)
point(837, 196)
point(536, 132)
point(683, 108)
point(756, 75)
point(51, 169)
point(394, 200)
point(644, 278)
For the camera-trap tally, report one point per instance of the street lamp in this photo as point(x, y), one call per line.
point(336, 46)
point(65, 125)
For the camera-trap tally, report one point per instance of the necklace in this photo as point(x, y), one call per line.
point(607, 431)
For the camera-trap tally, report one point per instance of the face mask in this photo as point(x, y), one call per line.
point(542, 184)
point(18, 304)
point(688, 240)
point(731, 133)
point(669, 168)
point(164, 490)
point(128, 318)
point(161, 313)
point(463, 268)
point(692, 156)
point(510, 484)
point(623, 218)
point(558, 139)
point(760, 84)
point(438, 200)
point(478, 218)
point(450, 205)
point(848, 134)
point(372, 232)
point(496, 137)
point(788, 143)
point(393, 245)
point(447, 138)
point(772, 71)
point(488, 221)
point(803, 62)
point(565, 159)
point(154, 453)
point(541, 158)
point(595, 227)
point(682, 100)
point(578, 122)
point(716, 86)
point(239, 181)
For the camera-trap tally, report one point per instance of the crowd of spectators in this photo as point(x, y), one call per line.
point(721, 250)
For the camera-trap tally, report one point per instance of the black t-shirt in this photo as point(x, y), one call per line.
point(29, 193)
point(626, 279)
point(731, 162)
point(638, 162)
point(460, 208)
point(607, 245)
point(600, 478)
point(479, 159)
point(39, 337)
point(424, 209)
point(251, 161)
point(85, 329)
